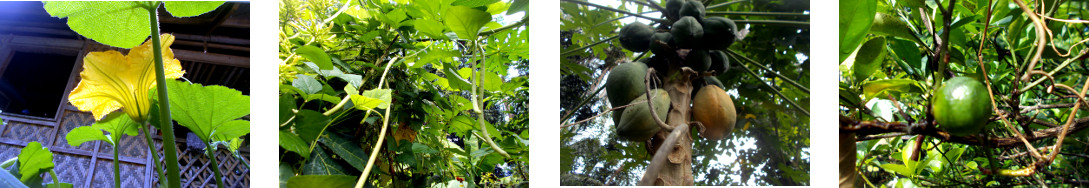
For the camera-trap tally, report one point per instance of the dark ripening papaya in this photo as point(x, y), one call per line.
point(961, 106)
point(658, 62)
point(663, 37)
point(636, 36)
point(673, 8)
point(713, 108)
point(720, 63)
point(698, 60)
point(719, 32)
point(625, 83)
point(687, 32)
point(693, 8)
point(637, 124)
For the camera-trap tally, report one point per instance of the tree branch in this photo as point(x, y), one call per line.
point(864, 128)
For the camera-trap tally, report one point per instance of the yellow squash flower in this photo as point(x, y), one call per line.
point(111, 80)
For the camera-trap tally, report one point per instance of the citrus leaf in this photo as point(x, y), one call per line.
point(855, 19)
point(869, 58)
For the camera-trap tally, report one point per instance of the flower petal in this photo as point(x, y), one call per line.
point(111, 80)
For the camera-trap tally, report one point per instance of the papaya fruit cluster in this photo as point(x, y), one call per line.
point(689, 39)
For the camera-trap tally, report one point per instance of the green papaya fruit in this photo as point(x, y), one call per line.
point(698, 60)
point(664, 37)
point(720, 63)
point(687, 32)
point(693, 8)
point(616, 116)
point(637, 123)
point(636, 36)
point(673, 8)
point(625, 83)
point(719, 32)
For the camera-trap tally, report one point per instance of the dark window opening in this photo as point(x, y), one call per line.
point(33, 84)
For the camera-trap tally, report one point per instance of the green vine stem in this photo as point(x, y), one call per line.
point(478, 103)
point(116, 167)
point(154, 152)
point(211, 151)
point(381, 135)
point(56, 181)
point(164, 103)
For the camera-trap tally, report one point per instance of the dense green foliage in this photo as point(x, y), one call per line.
point(446, 81)
point(1027, 58)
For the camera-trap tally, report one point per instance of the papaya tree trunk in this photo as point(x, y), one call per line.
point(677, 171)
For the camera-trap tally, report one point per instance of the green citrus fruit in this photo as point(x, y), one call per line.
point(961, 106)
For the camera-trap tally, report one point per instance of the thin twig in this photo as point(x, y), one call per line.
point(650, 100)
point(600, 114)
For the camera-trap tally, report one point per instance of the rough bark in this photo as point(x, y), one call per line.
point(678, 170)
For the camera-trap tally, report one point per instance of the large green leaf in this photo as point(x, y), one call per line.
point(473, 3)
point(33, 160)
point(370, 99)
point(190, 8)
point(855, 19)
point(292, 142)
point(286, 173)
point(466, 21)
point(306, 84)
point(309, 123)
point(316, 55)
point(354, 79)
point(287, 107)
point(321, 164)
point(209, 111)
point(321, 181)
point(345, 149)
point(115, 123)
point(431, 28)
point(122, 24)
